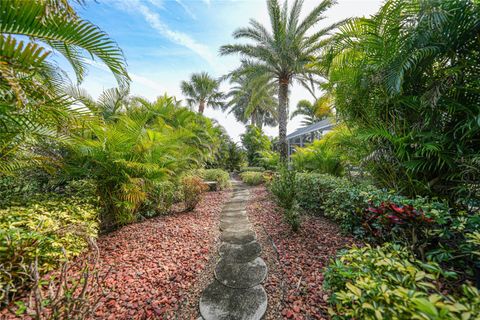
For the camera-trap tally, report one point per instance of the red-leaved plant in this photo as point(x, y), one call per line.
point(404, 223)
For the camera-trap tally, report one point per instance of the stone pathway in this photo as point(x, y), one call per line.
point(236, 293)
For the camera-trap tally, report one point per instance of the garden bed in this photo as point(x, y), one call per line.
point(158, 268)
point(295, 260)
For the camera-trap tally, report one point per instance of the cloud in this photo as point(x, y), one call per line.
point(164, 30)
point(187, 9)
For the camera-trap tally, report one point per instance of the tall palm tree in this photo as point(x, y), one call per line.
point(253, 100)
point(285, 53)
point(202, 90)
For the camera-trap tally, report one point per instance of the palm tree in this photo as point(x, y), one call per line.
point(253, 100)
point(284, 54)
point(313, 112)
point(33, 103)
point(202, 90)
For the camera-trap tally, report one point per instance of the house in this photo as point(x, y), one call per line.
point(305, 135)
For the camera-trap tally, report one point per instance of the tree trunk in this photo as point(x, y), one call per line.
point(201, 107)
point(282, 118)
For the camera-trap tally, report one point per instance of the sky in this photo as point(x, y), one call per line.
point(165, 41)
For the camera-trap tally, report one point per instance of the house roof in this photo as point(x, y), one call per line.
point(317, 126)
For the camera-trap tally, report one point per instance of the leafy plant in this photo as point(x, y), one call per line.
point(218, 175)
point(46, 230)
point(161, 197)
point(252, 178)
point(413, 94)
point(192, 189)
point(389, 283)
point(255, 142)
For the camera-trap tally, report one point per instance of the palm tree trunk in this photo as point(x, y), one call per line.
point(201, 107)
point(282, 118)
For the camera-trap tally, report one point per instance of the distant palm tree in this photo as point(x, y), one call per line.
point(313, 112)
point(253, 100)
point(285, 53)
point(202, 90)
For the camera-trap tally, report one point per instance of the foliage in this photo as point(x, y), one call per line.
point(46, 230)
point(314, 112)
point(220, 176)
point(255, 141)
point(433, 231)
point(407, 78)
point(252, 100)
point(202, 90)
point(252, 178)
point(160, 199)
point(149, 143)
point(389, 283)
point(269, 159)
point(337, 150)
point(33, 103)
point(284, 188)
point(192, 189)
point(284, 54)
point(229, 156)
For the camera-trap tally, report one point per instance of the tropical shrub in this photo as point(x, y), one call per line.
point(389, 283)
point(192, 189)
point(283, 187)
point(218, 175)
point(48, 229)
point(252, 178)
point(255, 141)
point(161, 196)
point(270, 160)
point(413, 94)
point(317, 157)
point(147, 144)
point(229, 156)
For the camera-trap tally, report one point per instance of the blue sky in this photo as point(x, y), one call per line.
point(165, 41)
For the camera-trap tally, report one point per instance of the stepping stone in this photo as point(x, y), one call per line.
point(240, 252)
point(219, 302)
point(235, 219)
point(238, 237)
point(234, 206)
point(233, 214)
point(234, 225)
point(241, 275)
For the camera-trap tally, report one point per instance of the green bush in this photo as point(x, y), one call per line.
point(252, 169)
point(389, 283)
point(220, 176)
point(49, 228)
point(252, 178)
point(192, 189)
point(283, 188)
point(161, 197)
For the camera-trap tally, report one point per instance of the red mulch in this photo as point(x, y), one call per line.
point(295, 260)
point(158, 267)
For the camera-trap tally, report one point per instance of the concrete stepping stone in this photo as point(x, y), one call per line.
point(234, 225)
point(234, 214)
point(241, 275)
point(238, 237)
point(219, 302)
point(240, 252)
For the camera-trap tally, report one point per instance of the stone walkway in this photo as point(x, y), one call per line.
point(236, 293)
